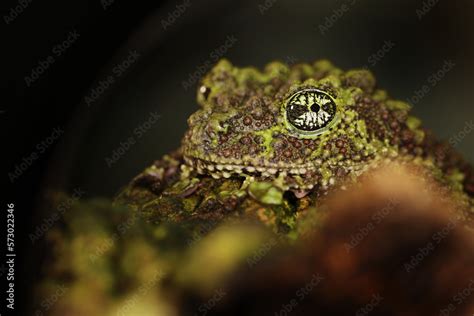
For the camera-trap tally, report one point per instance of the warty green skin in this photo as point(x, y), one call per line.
point(241, 154)
point(240, 129)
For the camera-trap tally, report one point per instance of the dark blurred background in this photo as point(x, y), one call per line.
point(119, 61)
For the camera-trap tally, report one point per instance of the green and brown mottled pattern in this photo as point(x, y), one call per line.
point(239, 155)
point(240, 129)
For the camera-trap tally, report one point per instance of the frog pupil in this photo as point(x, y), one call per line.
point(315, 107)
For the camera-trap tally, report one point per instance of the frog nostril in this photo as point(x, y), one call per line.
point(315, 107)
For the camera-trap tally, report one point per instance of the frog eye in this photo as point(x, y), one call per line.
point(310, 111)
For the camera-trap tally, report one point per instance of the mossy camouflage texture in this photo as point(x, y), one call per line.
point(241, 155)
point(247, 177)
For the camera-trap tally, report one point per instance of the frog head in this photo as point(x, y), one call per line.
point(299, 126)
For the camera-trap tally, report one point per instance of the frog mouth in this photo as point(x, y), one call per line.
point(287, 176)
point(227, 169)
point(269, 169)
